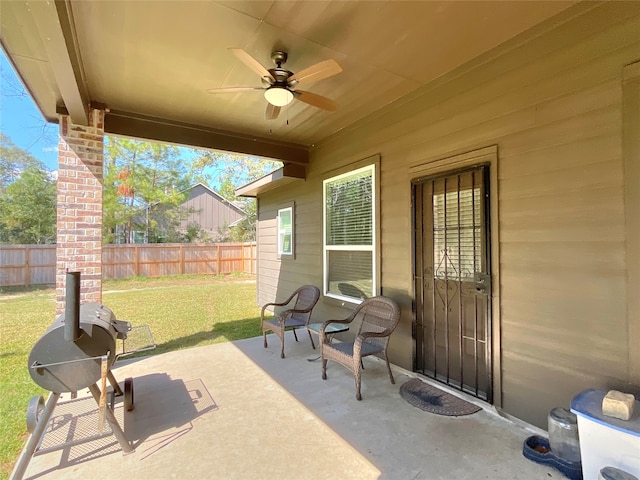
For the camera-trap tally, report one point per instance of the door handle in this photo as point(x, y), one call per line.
point(483, 283)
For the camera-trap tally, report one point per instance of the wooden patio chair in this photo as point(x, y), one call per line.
point(379, 318)
point(297, 316)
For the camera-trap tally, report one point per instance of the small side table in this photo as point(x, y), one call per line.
point(330, 331)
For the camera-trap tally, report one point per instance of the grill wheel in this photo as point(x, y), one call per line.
point(128, 394)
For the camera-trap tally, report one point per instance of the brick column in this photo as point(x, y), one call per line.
point(79, 221)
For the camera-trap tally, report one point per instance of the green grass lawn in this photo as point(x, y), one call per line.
point(182, 312)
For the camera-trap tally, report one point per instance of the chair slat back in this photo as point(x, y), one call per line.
point(379, 315)
point(307, 297)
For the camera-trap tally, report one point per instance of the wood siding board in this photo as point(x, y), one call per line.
point(601, 362)
point(541, 322)
point(558, 157)
point(562, 202)
point(589, 177)
point(578, 102)
point(597, 258)
point(555, 383)
point(606, 121)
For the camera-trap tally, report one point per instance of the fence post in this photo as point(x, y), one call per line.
point(27, 269)
point(136, 262)
point(218, 258)
point(181, 258)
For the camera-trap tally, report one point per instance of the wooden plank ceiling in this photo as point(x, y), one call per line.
point(150, 63)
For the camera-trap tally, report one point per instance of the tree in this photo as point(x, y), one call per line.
point(233, 171)
point(28, 208)
point(13, 161)
point(143, 182)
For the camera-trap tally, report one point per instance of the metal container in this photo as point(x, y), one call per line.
point(563, 434)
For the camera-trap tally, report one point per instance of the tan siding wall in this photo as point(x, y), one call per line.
point(552, 104)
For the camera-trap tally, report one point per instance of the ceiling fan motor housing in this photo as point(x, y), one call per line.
point(281, 76)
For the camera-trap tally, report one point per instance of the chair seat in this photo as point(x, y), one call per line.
point(289, 323)
point(347, 348)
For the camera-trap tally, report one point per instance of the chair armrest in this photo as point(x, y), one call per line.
point(282, 316)
point(264, 307)
point(366, 335)
point(275, 304)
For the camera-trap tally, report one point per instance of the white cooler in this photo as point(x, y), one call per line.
point(606, 441)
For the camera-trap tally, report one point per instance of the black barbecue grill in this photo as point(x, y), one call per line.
point(76, 352)
point(61, 365)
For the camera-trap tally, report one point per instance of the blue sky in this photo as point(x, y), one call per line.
point(21, 120)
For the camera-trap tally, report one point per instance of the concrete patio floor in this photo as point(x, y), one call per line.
point(238, 411)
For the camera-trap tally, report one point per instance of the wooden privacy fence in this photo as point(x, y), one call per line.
point(36, 264)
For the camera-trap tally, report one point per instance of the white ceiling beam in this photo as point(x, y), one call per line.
point(55, 25)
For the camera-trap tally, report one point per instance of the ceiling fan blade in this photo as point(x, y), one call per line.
point(316, 100)
point(232, 89)
point(272, 112)
point(252, 63)
point(319, 71)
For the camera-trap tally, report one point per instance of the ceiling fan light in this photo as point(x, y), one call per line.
point(278, 96)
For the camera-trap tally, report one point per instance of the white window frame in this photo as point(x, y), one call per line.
point(281, 232)
point(373, 248)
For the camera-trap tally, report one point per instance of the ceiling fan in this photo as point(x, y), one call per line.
point(280, 85)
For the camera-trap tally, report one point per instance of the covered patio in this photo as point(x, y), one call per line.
point(530, 110)
point(236, 410)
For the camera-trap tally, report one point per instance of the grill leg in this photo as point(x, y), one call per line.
point(35, 438)
point(112, 421)
point(114, 384)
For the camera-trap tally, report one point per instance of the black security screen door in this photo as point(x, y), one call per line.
point(452, 280)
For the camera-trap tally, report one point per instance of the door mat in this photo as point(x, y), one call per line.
point(431, 399)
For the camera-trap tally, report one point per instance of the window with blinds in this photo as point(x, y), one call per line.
point(457, 232)
point(349, 235)
point(285, 231)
